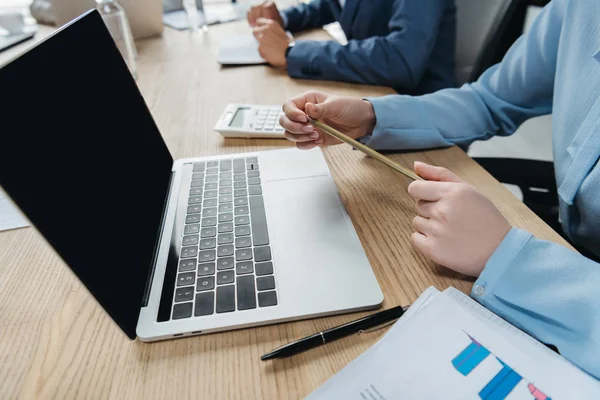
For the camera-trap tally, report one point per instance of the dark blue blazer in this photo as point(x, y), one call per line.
point(406, 44)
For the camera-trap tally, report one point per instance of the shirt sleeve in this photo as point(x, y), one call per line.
point(548, 291)
point(397, 60)
point(307, 16)
point(506, 95)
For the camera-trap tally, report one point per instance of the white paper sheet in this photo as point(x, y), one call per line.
point(239, 50)
point(453, 348)
point(10, 216)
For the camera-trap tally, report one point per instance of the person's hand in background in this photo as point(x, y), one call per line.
point(353, 117)
point(456, 226)
point(272, 42)
point(266, 9)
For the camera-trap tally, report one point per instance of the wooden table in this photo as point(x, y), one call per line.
point(57, 343)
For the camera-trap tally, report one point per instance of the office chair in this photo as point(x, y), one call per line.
point(486, 30)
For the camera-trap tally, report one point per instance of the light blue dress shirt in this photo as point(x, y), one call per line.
point(547, 290)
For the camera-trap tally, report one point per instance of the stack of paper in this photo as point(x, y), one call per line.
point(447, 346)
point(10, 216)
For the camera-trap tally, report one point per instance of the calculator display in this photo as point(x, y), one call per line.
point(240, 117)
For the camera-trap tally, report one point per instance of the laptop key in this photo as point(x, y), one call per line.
point(225, 182)
point(260, 232)
point(225, 238)
point(208, 221)
point(225, 263)
point(198, 176)
point(182, 310)
point(254, 190)
point(240, 201)
point(205, 304)
point(206, 283)
point(262, 253)
point(242, 242)
point(225, 190)
point(192, 219)
point(209, 243)
point(225, 207)
point(225, 165)
point(225, 227)
point(225, 217)
point(240, 193)
point(254, 181)
point(225, 299)
point(239, 166)
point(210, 193)
point(211, 186)
point(264, 268)
point(212, 164)
point(184, 294)
point(206, 268)
point(209, 211)
point(195, 191)
point(239, 177)
point(206, 255)
point(267, 299)
point(253, 174)
point(197, 184)
point(188, 252)
point(212, 171)
point(242, 210)
point(191, 229)
point(246, 294)
point(265, 283)
point(210, 202)
point(212, 178)
point(243, 268)
point(242, 220)
point(191, 240)
point(226, 250)
point(195, 209)
point(199, 166)
point(187, 265)
point(239, 185)
point(243, 254)
point(186, 279)
point(224, 277)
point(242, 230)
point(252, 167)
point(225, 175)
point(208, 232)
point(226, 198)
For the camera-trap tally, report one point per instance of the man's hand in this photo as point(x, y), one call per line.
point(456, 226)
point(266, 9)
point(272, 42)
point(353, 117)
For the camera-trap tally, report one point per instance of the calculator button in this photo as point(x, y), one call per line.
point(268, 128)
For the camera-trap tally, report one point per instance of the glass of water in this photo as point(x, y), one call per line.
point(197, 20)
point(117, 23)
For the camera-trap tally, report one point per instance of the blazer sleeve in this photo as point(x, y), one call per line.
point(397, 60)
point(507, 94)
point(307, 16)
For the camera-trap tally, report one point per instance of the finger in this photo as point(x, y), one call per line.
point(433, 173)
point(425, 208)
point(292, 137)
point(295, 127)
point(423, 225)
point(319, 111)
point(264, 22)
point(294, 112)
point(422, 243)
point(427, 190)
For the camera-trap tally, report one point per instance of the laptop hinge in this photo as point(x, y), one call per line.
point(157, 245)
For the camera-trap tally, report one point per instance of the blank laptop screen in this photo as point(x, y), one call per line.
point(82, 157)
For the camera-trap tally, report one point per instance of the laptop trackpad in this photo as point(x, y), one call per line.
point(314, 244)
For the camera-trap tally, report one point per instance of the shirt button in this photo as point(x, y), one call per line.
point(479, 290)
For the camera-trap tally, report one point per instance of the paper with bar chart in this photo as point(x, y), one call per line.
point(452, 348)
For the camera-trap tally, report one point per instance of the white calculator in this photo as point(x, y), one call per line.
point(250, 121)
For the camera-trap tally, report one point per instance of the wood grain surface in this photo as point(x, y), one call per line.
point(57, 343)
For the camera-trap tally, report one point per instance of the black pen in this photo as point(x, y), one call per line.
point(329, 335)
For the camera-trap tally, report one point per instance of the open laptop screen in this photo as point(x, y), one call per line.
point(82, 157)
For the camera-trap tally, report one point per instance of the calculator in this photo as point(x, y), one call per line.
point(250, 121)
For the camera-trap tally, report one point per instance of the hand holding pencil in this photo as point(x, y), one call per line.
point(354, 117)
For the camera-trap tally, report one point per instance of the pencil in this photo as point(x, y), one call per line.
point(365, 149)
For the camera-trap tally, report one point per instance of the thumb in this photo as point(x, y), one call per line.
point(433, 173)
point(318, 111)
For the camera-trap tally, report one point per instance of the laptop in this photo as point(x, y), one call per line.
point(169, 248)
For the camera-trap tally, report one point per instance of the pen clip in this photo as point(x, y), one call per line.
point(370, 330)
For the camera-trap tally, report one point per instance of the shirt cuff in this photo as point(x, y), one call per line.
point(501, 259)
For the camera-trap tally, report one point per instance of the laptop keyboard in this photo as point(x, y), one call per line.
point(225, 260)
